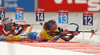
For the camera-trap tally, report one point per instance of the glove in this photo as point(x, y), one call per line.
point(75, 33)
point(65, 32)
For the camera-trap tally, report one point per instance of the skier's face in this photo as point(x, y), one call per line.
point(53, 27)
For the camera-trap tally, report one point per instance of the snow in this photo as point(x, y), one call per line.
point(18, 49)
point(85, 38)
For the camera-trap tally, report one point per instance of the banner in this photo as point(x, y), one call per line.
point(70, 5)
point(10, 5)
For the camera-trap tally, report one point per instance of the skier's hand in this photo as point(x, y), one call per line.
point(65, 32)
point(75, 33)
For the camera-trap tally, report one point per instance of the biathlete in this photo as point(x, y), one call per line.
point(7, 24)
point(50, 32)
point(6, 30)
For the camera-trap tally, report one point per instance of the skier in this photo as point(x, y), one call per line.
point(50, 32)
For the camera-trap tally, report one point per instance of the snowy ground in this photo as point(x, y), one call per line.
point(18, 49)
point(85, 38)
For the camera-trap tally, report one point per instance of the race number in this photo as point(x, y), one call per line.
point(87, 18)
point(2, 12)
point(39, 14)
point(63, 17)
point(19, 16)
point(19, 13)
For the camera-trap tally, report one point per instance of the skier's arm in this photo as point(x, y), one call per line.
point(48, 37)
point(2, 30)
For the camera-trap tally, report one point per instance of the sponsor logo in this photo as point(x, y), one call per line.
point(92, 4)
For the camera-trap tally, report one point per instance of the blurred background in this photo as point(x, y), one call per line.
point(51, 8)
point(75, 14)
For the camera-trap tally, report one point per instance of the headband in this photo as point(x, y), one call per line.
point(51, 22)
point(7, 21)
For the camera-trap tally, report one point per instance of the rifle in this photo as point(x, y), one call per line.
point(16, 26)
point(71, 32)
